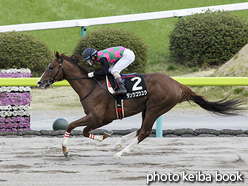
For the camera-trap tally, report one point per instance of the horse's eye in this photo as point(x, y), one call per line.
point(50, 68)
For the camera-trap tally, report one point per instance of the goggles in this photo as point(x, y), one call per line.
point(89, 61)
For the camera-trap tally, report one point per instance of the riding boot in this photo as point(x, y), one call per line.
point(121, 87)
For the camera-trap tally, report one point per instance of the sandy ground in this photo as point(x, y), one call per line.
point(39, 161)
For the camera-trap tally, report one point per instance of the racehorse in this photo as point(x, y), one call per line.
point(163, 94)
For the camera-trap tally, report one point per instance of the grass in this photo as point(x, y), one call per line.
point(155, 33)
point(55, 98)
point(65, 98)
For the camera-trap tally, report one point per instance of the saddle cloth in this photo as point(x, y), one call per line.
point(135, 86)
point(134, 83)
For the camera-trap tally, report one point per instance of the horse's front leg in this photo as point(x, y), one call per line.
point(99, 138)
point(91, 123)
point(87, 120)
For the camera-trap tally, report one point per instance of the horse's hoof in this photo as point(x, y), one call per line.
point(118, 146)
point(106, 135)
point(65, 151)
point(117, 156)
point(66, 154)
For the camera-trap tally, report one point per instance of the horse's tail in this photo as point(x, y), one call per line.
point(222, 107)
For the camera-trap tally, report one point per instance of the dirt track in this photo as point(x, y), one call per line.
point(39, 161)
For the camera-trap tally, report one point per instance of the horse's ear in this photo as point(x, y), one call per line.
point(56, 54)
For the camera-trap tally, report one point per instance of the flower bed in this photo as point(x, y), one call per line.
point(15, 102)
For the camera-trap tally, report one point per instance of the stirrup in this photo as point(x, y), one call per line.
point(121, 90)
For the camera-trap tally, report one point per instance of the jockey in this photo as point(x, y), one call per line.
point(118, 57)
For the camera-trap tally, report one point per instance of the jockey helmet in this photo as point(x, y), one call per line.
point(88, 52)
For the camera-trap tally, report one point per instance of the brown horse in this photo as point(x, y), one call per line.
point(163, 94)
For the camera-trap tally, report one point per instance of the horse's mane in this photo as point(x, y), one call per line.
point(76, 60)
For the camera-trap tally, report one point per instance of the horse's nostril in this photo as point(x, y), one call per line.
point(38, 82)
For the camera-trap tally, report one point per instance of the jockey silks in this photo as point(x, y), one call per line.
point(112, 54)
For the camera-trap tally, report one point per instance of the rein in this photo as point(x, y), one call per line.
point(104, 88)
point(89, 92)
point(52, 80)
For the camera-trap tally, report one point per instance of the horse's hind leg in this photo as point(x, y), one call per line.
point(126, 150)
point(129, 136)
point(125, 138)
point(144, 132)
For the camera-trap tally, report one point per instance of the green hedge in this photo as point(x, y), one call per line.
point(207, 39)
point(21, 50)
point(109, 37)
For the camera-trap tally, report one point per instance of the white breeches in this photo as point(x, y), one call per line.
point(124, 62)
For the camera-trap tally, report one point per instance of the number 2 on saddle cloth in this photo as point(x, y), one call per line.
point(135, 86)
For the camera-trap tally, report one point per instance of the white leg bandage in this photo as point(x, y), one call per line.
point(96, 137)
point(129, 136)
point(125, 138)
point(65, 140)
point(126, 149)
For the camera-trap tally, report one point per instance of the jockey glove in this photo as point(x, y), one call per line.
point(91, 74)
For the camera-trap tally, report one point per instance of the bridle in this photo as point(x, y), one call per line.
point(60, 62)
point(52, 80)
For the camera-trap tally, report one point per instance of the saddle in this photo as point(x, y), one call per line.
point(135, 86)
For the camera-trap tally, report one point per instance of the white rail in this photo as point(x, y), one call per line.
point(119, 19)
